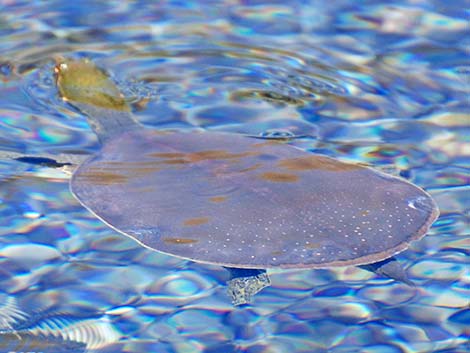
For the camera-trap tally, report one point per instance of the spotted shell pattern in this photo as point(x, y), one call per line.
point(244, 202)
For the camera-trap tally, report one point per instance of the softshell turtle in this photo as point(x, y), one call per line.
point(238, 201)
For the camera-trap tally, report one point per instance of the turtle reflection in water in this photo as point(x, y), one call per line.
point(237, 201)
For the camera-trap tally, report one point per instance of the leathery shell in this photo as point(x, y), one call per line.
point(243, 202)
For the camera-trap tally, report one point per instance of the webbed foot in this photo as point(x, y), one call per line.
point(245, 283)
point(390, 268)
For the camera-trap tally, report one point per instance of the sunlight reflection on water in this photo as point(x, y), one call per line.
point(383, 83)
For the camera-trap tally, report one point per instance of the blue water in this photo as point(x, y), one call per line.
point(384, 83)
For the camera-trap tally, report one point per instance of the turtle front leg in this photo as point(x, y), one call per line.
point(64, 162)
point(245, 283)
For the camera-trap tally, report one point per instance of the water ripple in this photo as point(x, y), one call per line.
point(383, 84)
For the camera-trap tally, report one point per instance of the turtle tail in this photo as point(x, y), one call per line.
point(90, 89)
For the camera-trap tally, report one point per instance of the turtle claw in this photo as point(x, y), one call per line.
point(242, 289)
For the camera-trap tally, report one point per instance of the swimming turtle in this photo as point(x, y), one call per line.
point(238, 201)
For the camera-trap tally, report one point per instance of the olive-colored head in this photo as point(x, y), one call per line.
point(80, 81)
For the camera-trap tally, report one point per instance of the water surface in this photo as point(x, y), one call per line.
point(384, 83)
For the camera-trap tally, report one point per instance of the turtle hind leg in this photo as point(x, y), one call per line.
point(390, 268)
point(245, 283)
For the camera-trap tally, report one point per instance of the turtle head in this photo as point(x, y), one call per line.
point(80, 83)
